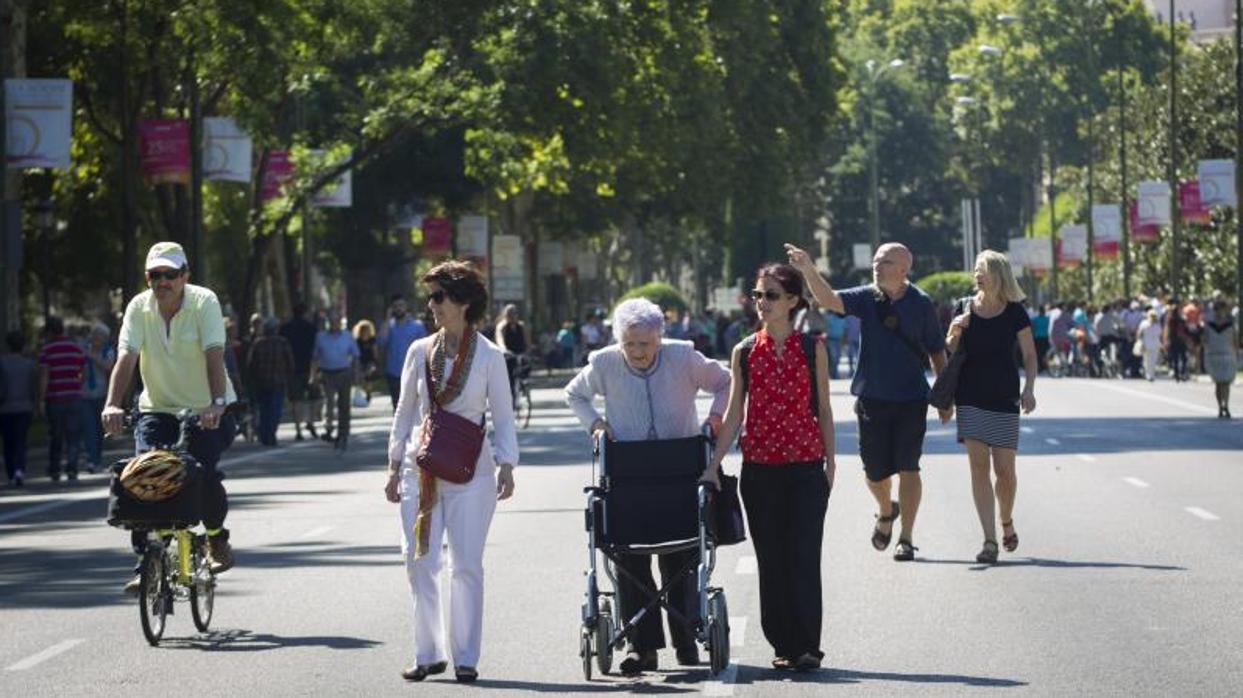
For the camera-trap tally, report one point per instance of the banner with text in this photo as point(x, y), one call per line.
point(1106, 230)
point(226, 150)
point(39, 115)
point(1142, 232)
point(1154, 203)
point(164, 150)
point(1217, 183)
point(1072, 246)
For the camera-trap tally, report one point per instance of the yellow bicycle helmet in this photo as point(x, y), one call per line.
point(154, 476)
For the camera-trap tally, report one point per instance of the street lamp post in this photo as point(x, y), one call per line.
point(874, 74)
point(1238, 146)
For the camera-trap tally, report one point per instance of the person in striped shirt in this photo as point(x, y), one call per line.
point(61, 368)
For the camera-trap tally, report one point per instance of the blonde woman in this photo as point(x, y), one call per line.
point(364, 336)
point(988, 398)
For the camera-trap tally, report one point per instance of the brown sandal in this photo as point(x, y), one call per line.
point(880, 540)
point(1010, 542)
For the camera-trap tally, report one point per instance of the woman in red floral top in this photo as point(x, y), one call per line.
point(787, 465)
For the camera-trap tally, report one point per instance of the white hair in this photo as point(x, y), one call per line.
point(640, 313)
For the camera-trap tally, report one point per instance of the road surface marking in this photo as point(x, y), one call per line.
point(737, 631)
point(316, 532)
point(1085, 457)
point(1136, 482)
point(1203, 514)
point(723, 685)
point(746, 565)
point(1027, 430)
point(1052, 441)
point(1194, 407)
point(36, 659)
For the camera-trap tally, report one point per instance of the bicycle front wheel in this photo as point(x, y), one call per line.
point(153, 595)
point(202, 592)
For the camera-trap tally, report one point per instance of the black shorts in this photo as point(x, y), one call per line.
point(298, 387)
point(891, 436)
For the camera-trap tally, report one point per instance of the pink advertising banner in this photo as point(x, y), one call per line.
point(1190, 206)
point(276, 175)
point(437, 236)
point(164, 149)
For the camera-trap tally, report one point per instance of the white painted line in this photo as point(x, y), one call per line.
point(1027, 430)
point(746, 565)
point(737, 631)
point(36, 659)
point(316, 532)
point(1203, 514)
point(1085, 457)
point(1135, 482)
point(1052, 441)
point(1147, 395)
point(723, 685)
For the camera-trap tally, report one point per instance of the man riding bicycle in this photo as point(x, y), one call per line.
point(174, 334)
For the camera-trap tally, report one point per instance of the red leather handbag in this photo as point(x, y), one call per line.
point(449, 444)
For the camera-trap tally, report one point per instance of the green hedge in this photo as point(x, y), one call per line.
point(662, 294)
point(946, 286)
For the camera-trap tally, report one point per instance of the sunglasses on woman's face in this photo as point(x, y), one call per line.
point(770, 296)
point(170, 275)
point(437, 297)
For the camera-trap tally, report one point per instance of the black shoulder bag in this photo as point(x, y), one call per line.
point(942, 395)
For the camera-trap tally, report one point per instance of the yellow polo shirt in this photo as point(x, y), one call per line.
point(172, 358)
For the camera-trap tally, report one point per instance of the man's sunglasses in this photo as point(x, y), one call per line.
point(770, 296)
point(437, 297)
point(171, 275)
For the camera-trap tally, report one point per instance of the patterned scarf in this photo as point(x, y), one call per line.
point(449, 391)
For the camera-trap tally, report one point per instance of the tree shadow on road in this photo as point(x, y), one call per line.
point(1055, 564)
point(235, 640)
point(52, 578)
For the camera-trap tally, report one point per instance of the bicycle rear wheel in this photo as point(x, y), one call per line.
point(153, 595)
point(202, 589)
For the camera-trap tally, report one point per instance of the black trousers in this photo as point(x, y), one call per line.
point(649, 635)
point(158, 430)
point(785, 507)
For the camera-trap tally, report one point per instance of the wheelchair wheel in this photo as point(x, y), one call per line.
point(585, 639)
point(718, 632)
point(603, 638)
point(153, 598)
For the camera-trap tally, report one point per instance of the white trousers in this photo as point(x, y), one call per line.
point(1150, 362)
point(463, 514)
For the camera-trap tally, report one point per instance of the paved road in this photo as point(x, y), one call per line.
point(1127, 580)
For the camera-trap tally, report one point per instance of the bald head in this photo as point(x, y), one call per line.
point(890, 265)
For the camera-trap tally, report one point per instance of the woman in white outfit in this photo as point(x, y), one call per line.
point(1149, 339)
point(431, 508)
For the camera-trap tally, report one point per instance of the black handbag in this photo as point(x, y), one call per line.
point(946, 384)
point(730, 527)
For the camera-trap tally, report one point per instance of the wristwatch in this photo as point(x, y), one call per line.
point(219, 402)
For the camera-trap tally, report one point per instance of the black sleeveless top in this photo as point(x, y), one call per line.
point(515, 338)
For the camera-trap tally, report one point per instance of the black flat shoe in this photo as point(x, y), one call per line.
point(688, 656)
point(807, 662)
point(466, 674)
point(636, 663)
point(422, 671)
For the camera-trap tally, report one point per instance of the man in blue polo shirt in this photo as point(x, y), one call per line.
point(395, 339)
point(334, 364)
point(898, 328)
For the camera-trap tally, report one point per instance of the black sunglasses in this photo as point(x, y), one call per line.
point(171, 275)
point(437, 297)
point(771, 296)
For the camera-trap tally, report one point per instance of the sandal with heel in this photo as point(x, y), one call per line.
point(880, 539)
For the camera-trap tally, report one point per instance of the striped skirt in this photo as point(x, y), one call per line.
point(997, 429)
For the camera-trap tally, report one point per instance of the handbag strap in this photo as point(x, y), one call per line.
point(883, 301)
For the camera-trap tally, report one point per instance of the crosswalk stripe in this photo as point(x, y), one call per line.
point(40, 657)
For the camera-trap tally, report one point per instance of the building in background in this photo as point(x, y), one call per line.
point(1209, 19)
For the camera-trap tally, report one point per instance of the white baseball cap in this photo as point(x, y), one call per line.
point(166, 254)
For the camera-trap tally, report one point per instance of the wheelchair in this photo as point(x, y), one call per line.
point(648, 500)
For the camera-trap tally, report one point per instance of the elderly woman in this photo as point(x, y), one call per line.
point(467, 379)
point(987, 399)
point(649, 386)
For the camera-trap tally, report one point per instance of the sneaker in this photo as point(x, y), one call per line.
point(131, 587)
point(219, 554)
